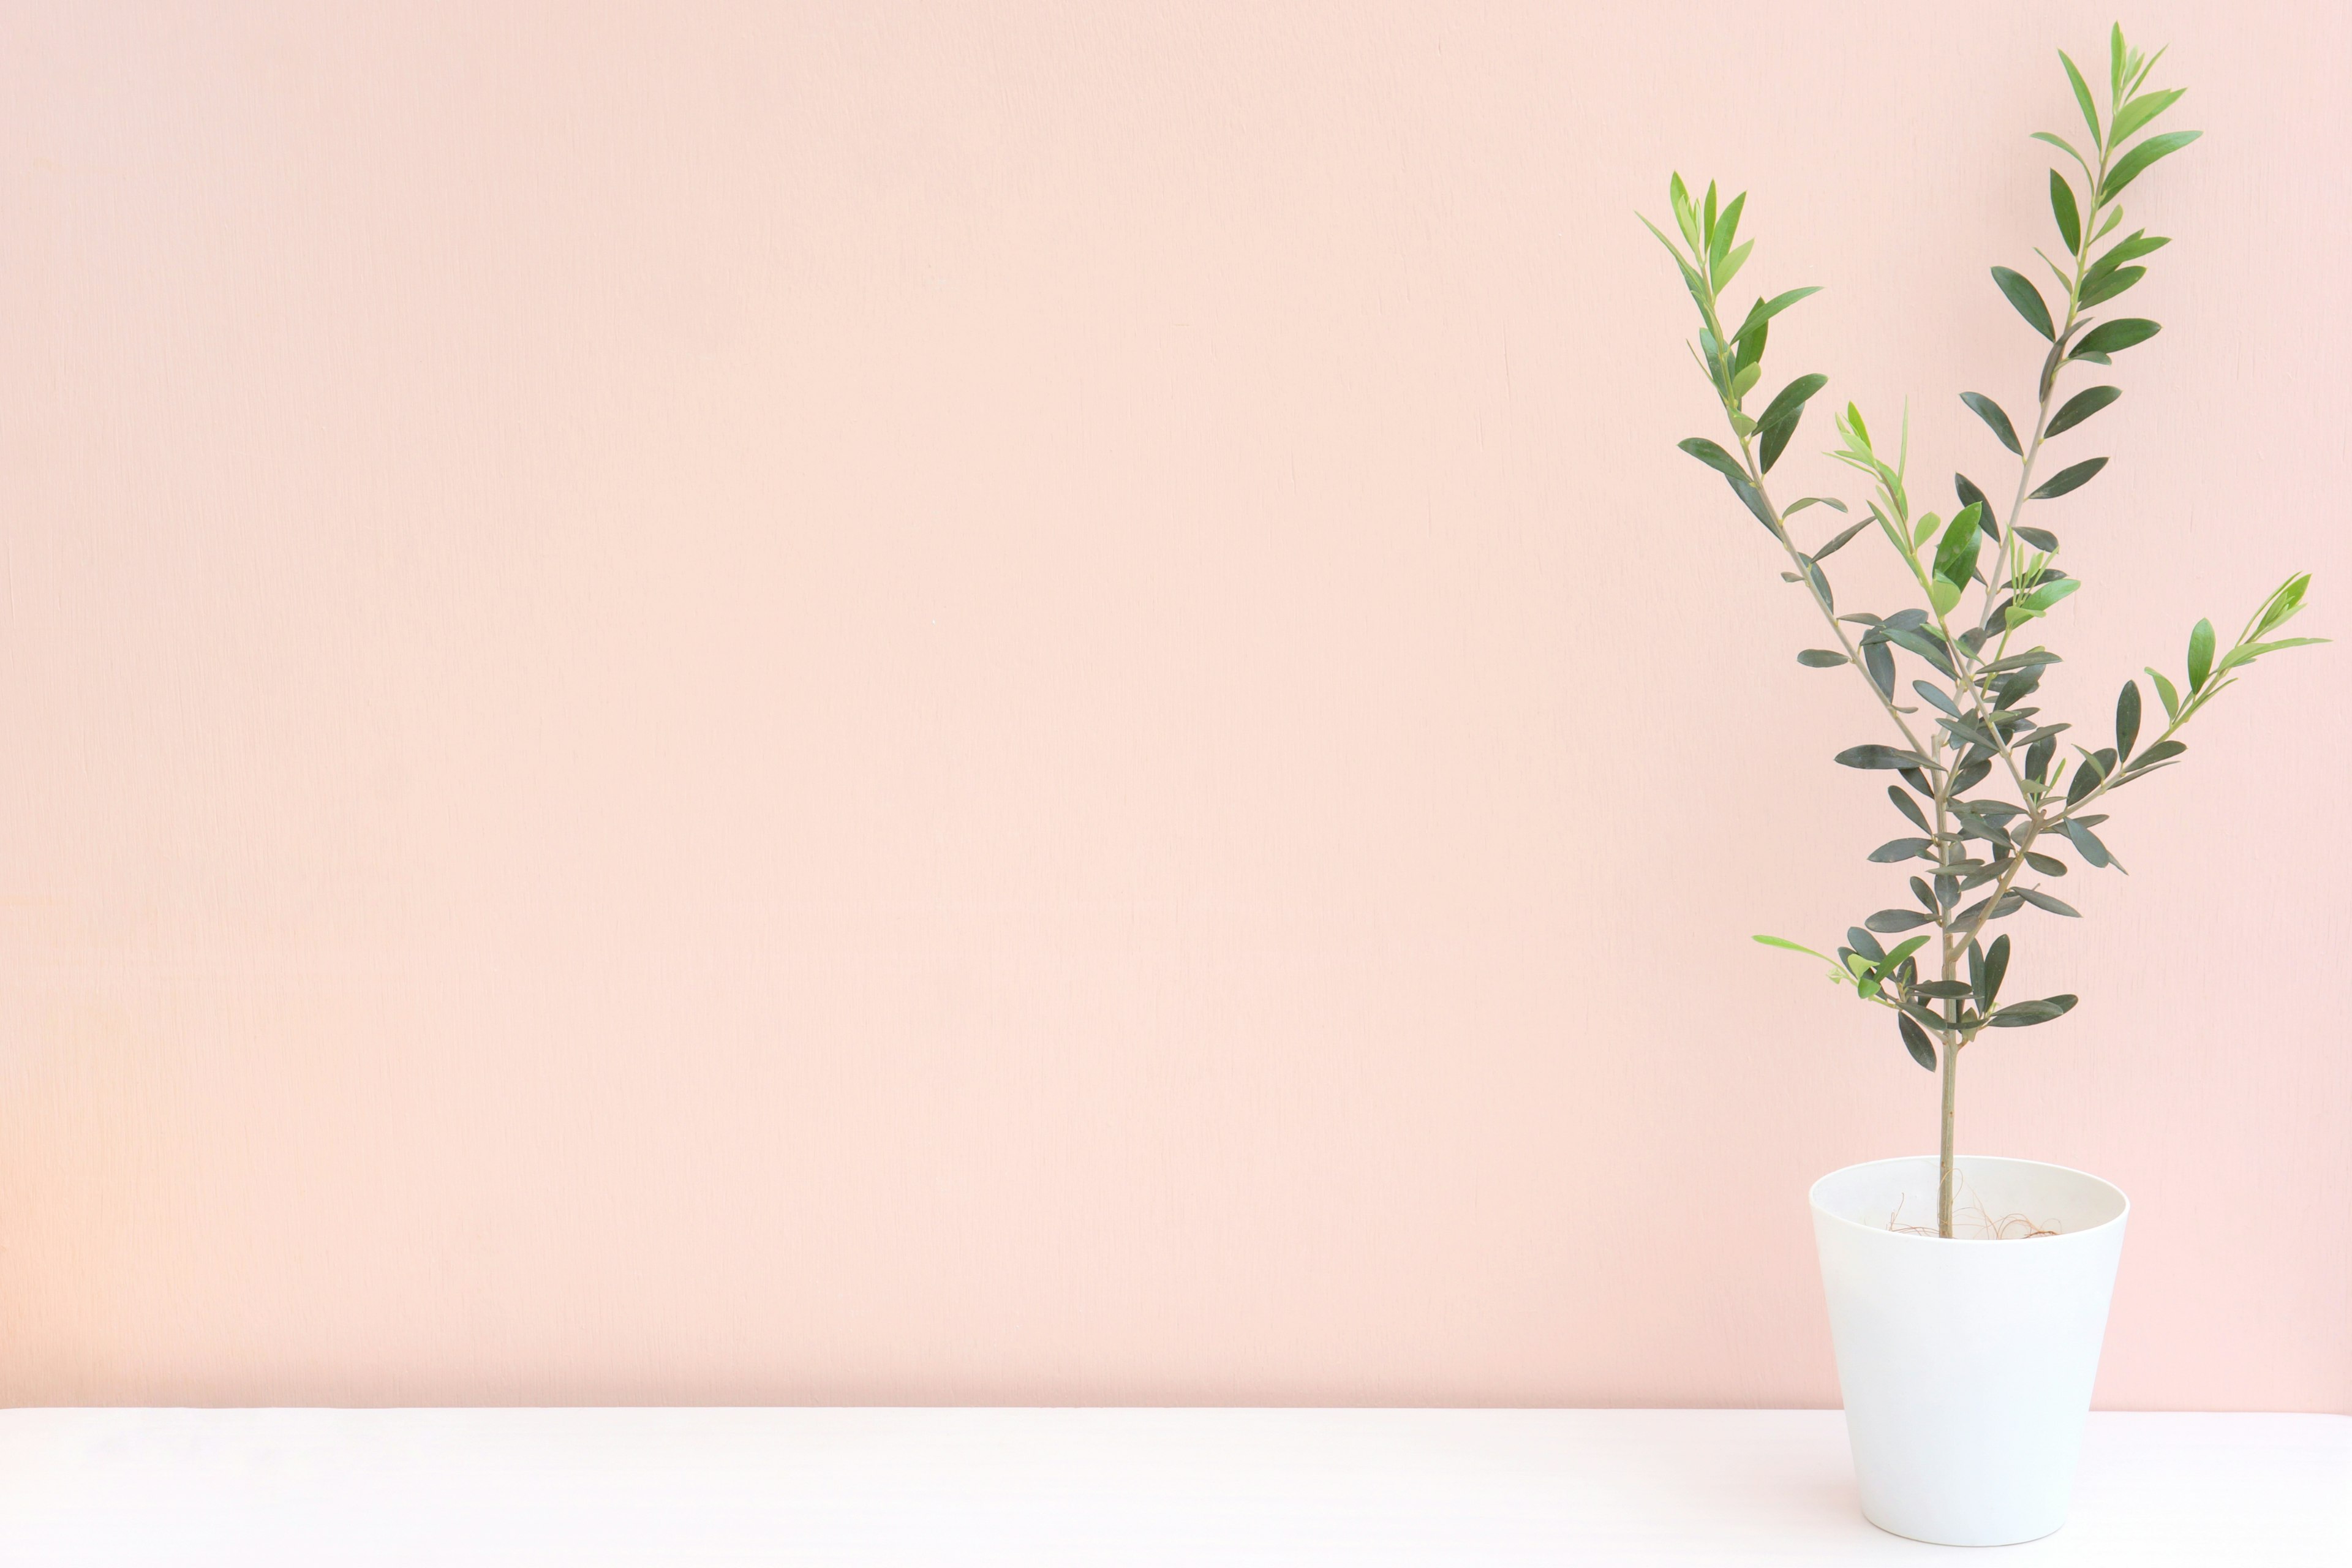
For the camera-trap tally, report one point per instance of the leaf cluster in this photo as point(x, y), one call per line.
point(1991, 810)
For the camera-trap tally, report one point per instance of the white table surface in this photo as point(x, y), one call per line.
point(452, 1488)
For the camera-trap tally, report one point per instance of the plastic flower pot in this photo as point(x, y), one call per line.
point(1967, 1364)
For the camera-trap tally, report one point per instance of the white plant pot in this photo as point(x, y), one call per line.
point(1967, 1364)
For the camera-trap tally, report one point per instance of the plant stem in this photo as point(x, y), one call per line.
point(1944, 1164)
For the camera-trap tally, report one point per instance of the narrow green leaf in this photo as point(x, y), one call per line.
point(2026, 660)
point(1791, 398)
point(2088, 844)
point(2136, 162)
point(2041, 900)
point(2063, 146)
point(1990, 412)
point(2127, 718)
point(1875, 755)
point(1935, 698)
point(2037, 757)
point(2040, 601)
point(1794, 947)
point(1724, 463)
point(1898, 849)
point(1892, 920)
point(1945, 990)
point(2162, 751)
point(1903, 803)
point(1956, 555)
point(2113, 337)
point(2140, 243)
point(1915, 1041)
point(2165, 693)
point(1718, 245)
point(1820, 658)
point(2025, 1014)
point(2042, 539)
point(2071, 477)
point(1840, 540)
point(2200, 655)
point(1996, 969)
point(2107, 285)
point(2062, 207)
point(1686, 218)
point(2139, 111)
point(2083, 97)
point(2022, 294)
point(1879, 664)
point(1728, 267)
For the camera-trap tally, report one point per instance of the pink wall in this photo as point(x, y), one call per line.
point(834, 704)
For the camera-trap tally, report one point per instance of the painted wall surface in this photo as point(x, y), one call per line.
point(1025, 703)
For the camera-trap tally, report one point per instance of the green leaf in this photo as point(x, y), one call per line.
point(2063, 146)
point(1935, 698)
point(2080, 406)
point(1820, 658)
point(2042, 539)
point(1790, 400)
point(2037, 757)
point(2162, 751)
point(2041, 900)
point(1892, 920)
point(2247, 653)
point(1728, 267)
point(2136, 162)
point(1990, 412)
point(2113, 337)
point(2048, 864)
point(2062, 207)
point(1945, 990)
point(1802, 502)
point(1915, 1041)
point(2165, 693)
point(2107, 285)
point(2119, 61)
point(2127, 718)
point(2140, 243)
point(2072, 477)
point(1996, 968)
point(2200, 655)
point(2086, 843)
point(2027, 299)
point(1707, 218)
point(2025, 1014)
point(1685, 217)
point(1875, 755)
point(1715, 458)
point(1724, 463)
point(1721, 233)
point(1900, 849)
point(1794, 947)
point(2041, 599)
point(1903, 803)
point(1956, 555)
point(2026, 660)
point(1842, 538)
point(2083, 97)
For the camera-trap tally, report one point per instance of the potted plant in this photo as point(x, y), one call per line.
point(1967, 1349)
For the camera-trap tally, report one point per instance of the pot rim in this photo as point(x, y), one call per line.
point(1813, 1200)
